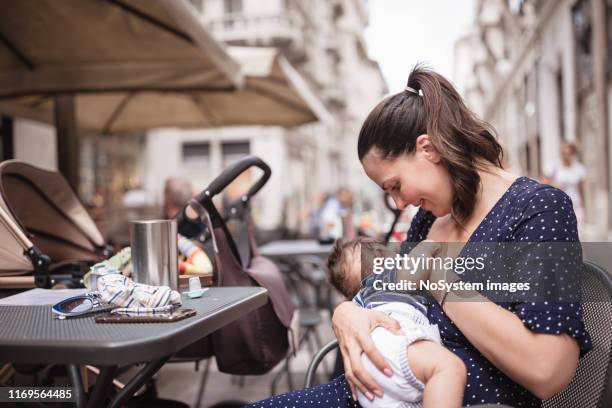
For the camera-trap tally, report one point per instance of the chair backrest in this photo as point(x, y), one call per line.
point(592, 384)
point(316, 360)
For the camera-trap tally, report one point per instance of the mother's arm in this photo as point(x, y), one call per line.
point(353, 326)
point(542, 363)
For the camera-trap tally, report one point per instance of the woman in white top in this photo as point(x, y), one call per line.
point(569, 175)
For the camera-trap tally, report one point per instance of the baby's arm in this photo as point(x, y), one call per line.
point(442, 372)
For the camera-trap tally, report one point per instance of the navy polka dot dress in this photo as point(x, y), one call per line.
point(527, 212)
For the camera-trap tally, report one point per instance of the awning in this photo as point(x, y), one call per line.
point(274, 94)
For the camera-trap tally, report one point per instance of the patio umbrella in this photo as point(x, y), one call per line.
point(273, 94)
point(52, 47)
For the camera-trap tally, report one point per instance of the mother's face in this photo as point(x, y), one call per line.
point(418, 178)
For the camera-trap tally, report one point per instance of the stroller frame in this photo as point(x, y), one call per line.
point(40, 212)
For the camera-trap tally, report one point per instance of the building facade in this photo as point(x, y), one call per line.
point(323, 40)
point(540, 72)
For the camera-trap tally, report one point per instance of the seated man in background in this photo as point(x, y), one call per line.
point(177, 193)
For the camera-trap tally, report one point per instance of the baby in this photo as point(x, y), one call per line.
point(425, 373)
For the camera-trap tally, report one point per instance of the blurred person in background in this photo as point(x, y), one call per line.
point(368, 221)
point(568, 175)
point(177, 192)
point(312, 214)
point(336, 217)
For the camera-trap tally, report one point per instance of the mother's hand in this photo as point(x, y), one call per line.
point(353, 326)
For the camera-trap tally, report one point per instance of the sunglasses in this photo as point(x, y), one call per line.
point(78, 305)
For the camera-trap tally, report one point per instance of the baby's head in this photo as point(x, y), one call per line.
point(344, 267)
point(350, 261)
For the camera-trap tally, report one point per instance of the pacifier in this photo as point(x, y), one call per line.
point(195, 288)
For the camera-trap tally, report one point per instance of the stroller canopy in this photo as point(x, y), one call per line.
point(39, 207)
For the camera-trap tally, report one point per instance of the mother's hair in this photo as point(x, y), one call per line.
point(462, 139)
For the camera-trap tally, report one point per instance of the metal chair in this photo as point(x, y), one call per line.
point(592, 384)
point(305, 279)
point(311, 372)
point(591, 387)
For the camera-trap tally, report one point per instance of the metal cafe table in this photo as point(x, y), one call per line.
point(291, 248)
point(31, 335)
point(293, 256)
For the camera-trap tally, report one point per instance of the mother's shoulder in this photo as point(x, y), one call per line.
point(543, 213)
point(531, 194)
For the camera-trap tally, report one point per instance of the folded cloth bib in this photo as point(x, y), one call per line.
point(134, 298)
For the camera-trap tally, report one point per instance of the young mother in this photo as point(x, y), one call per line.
point(426, 148)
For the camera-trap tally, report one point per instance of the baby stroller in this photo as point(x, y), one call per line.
point(257, 342)
point(44, 230)
point(47, 238)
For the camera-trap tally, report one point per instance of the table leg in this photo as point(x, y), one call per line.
point(203, 383)
point(103, 384)
point(77, 382)
point(138, 381)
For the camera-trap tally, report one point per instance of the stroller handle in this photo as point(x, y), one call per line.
point(393, 209)
point(397, 213)
point(231, 173)
point(192, 228)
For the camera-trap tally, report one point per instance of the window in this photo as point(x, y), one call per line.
point(233, 151)
point(516, 6)
point(232, 6)
point(198, 4)
point(583, 27)
point(560, 110)
point(196, 153)
point(609, 30)
point(527, 153)
point(538, 155)
point(337, 11)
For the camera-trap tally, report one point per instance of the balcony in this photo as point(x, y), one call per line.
point(280, 30)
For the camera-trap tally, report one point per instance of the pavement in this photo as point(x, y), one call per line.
point(180, 381)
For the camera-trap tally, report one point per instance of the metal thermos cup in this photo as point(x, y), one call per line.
point(154, 252)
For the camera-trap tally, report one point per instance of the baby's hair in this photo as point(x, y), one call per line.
point(337, 267)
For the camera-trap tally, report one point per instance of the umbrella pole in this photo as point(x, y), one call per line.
point(8, 151)
point(67, 139)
